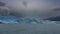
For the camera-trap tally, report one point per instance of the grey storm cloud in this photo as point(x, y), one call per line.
point(33, 8)
point(2, 4)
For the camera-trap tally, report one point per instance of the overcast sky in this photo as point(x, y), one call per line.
point(34, 8)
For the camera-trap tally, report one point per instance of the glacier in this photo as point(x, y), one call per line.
point(16, 20)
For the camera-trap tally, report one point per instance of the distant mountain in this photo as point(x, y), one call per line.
point(54, 18)
point(56, 9)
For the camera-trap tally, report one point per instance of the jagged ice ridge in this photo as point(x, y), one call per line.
point(15, 20)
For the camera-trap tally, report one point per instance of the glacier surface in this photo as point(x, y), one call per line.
point(15, 20)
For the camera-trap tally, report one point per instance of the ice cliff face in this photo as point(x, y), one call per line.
point(15, 20)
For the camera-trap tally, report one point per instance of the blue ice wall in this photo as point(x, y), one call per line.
point(15, 20)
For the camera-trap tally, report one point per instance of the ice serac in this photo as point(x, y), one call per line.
point(15, 20)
